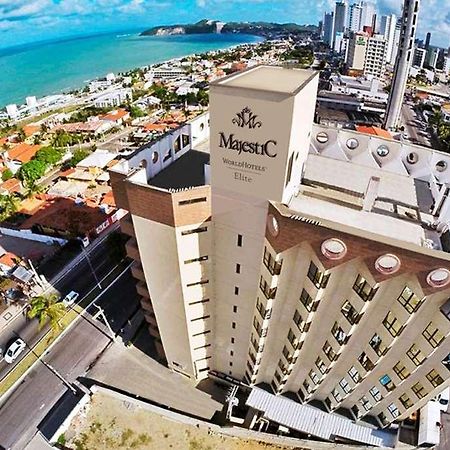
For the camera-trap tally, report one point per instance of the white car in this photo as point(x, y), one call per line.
point(70, 298)
point(14, 350)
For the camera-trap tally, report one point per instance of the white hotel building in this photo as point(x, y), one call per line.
point(277, 252)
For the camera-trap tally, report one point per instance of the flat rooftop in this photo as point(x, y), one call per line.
point(187, 171)
point(270, 78)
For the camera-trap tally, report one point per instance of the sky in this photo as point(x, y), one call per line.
point(23, 21)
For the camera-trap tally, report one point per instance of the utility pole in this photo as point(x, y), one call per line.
point(49, 367)
point(88, 259)
point(101, 313)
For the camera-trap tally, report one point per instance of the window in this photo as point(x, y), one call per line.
point(177, 144)
point(233, 325)
point(387, 383)
point(419, 390)
point(321, 366)
point(235, 309)
point(264, 313)
point(432, 335)
point(339, 334)
point(376, 394)
point(328, 350)
point(232, 340)
point(409, 300)
point(202, 346)
point(286, 354)
point(336, 395)
point(201, 333)
point(185, 140)
point(268, 292)
point(406, 401)
point(200, 318)
point(434, 378)
point(293, 339)
point(345, 386)
point(307, 387)
point(319, 279)
point(274, 267)
point(363, 289)
point(401, 371)
point(354, 375)
point(392, 408)
point(168, 155)
point(365, 361)
point(239, 240)
point(199, 259)
point(197, 302)
point(382, 416)
point(298, 320)
point(238, 268)
point(289, 170)
point(192, 201)
point(392, 324)
point(196, 230)
point(283, 367)
point(365, 403)
point(377, 344)
point(350, 313)
point(314, 377)
point(307, 300)
point(415, 355)
point(236, 290)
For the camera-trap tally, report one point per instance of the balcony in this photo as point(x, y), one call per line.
point(141, 288)
point(151, 319)
point(132, 249)
point(137, 272)
point(154, 332)
point(126, 226)
point(146, 305)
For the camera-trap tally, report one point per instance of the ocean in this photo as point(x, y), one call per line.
point(53, 67)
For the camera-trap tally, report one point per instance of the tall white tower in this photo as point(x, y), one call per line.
point(403, 62)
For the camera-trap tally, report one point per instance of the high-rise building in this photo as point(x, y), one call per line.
point(340, 18)
point(387, 29)
point(446, 67)
point(367, 54)
point(419, 57)
point(403, 63)
point(291, 254)
point(354, 17)
point(428, 41)
point(328, 28)
point(431, 59)
point(367, 14)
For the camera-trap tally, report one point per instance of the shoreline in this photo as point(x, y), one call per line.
point(79, 87)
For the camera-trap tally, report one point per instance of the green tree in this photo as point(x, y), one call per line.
point(63, 139)
point(49, 155)
point(8, 206)
point(78, 155)
point(37, 139)
point(136, 112)
point(7, 175)
point(31, 171)
point(21, 136)
point(47, 309)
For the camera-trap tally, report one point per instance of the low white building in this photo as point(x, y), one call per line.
point(102, 83)
point(113, 98)
point(365, 87)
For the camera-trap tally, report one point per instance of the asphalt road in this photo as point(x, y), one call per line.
point(415, 127)
point(71, 356)
point(80, 279)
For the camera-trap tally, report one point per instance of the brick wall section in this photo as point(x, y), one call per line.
point(195, 212)
point(118, 184)
point(149, 203)
point(293, 232)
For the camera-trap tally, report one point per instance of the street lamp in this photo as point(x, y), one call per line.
point(88, 259)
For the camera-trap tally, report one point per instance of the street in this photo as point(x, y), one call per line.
point(80, 279)
point(415, 126)
point(71, 356)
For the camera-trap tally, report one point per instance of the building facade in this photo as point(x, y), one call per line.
point(279, 252)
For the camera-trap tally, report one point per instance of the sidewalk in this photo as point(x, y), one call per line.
point(9, 314)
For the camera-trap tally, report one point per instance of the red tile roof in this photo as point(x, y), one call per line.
point(374, 131)
point(23, 152)
point(31, 129)
point(9, 259)
point(12, 185)
point(115, 116)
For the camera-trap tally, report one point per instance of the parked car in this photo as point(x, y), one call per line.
point(70, 298)
point(14, 350)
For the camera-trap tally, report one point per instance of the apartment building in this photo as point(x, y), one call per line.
point(282, 253)
point(367, 54)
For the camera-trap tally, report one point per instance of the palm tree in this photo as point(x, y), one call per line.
point(47, 309)
point(8, 206)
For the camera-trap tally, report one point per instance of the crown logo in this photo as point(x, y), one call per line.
point(247, 119)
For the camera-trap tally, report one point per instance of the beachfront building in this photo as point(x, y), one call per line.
point(113, 98)
point(309, 259)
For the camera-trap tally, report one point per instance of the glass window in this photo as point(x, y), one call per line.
point(434, 378)
point(177, 144)
point(328, 350)
point(306, 300)
point(268, 292)
point(321, 365)
point(365, 361)
point(415, 355)
point(314, 377)
point(185, 140)
point(365, 403)
point(392, 408)
point(409, 300)
point(432, 335)
point(386, 381)
point(339, 334)
point(319, 279)
point(354, 375)
point(363, 289)
point(406, 401)
point(293, 339)
point(377, 344)
point(350, 313)
point(401, 371)
point(392, 324)
point(307, 387)
point(345, 386)
point(376, 394)
point(419, 390)
point(336, 395)
point(298, 320)
point(272, 266)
